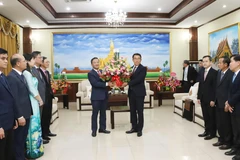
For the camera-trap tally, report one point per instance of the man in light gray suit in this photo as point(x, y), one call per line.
point(41, 86)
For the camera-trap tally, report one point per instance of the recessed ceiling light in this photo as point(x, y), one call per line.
point(195, 21)
point(68, 8)
point(224, 6)
point(159, 9)
point(1, 3)
point(27, 21)
point(72, 16)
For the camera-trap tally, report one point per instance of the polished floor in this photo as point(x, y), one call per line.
point(166, 136)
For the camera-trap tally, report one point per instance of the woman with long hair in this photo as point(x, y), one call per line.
point(34, 143)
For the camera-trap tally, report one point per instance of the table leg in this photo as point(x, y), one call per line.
point(65, 101)
point(159, 100)
point(112, 119)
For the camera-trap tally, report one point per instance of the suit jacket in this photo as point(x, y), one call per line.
point(137, 80)
point(234, 94)
point(191, 75)
point(99, 90)
point(207, 88)
point(199, 74)
point(48, 91)
point(41, 83)
point(21, 94)
point(222, 88)
point(7, 107)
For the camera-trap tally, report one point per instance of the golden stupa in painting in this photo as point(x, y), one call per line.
point(110, 56)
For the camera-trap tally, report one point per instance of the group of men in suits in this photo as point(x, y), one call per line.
point(136, 94)
point(46, 93)
point(219, 96)
point(15, 106)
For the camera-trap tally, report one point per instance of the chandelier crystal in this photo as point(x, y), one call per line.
point(115, 17)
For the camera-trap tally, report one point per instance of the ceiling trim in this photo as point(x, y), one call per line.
point(196, 10)
point(178, 8)
point(104, 23)
point(219, 17)
point(55, 14)
point(32, 10)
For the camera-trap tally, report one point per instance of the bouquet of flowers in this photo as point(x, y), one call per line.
point(61, 85)
point(117, 71)
point(167, 83)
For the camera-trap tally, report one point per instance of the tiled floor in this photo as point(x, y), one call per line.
point(166, 136)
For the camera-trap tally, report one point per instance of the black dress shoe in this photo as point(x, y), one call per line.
point(45, 141)
point(52, 135)
point(203, 134)
point(217, 144)
point(231, 152)
point(104, 131)
point(131, 131)
point(209, 137)
point(94, 134)
point(224, 147)
point(237, 157)
point(139, 134)
point(46, 138)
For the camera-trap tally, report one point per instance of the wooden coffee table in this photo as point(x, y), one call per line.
point(117, 103)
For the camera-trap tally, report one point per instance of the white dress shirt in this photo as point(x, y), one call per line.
point(185, 73)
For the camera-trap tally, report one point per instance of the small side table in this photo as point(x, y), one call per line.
point(64, 98)
point(118, 109)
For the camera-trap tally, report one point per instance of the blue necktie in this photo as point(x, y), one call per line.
point(234, 76)
point(222, 74)
point(23, 78)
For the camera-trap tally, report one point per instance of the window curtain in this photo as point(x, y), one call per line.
point(9, 39)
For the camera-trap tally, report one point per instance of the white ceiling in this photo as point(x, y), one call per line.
point(18, 13)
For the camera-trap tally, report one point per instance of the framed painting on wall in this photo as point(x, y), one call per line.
point(72, 52)
point(224, 42)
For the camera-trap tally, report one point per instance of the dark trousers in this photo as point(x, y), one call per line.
point(20, 136)
point(6, 146)
point(99, 105)
point(46, 118)
point(209, 116)
point(224, 126)
point(235, 119)
point(186, 86)
point(136, 111)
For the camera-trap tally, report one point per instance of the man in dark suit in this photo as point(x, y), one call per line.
point(20, 91)
point(99, 97)
point(189, 76)
point(47, 109)
point(233, 106)
point(206, 97)
point(136, 94)
point(41, 88)
point(7, 112)
point(224, 126)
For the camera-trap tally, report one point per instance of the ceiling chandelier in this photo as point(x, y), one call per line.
point(115, 17)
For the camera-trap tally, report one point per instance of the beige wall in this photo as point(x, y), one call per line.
point(21, 40)
point(179, 44)
point(213, 26)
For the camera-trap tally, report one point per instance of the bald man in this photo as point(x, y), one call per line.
point(20, 92)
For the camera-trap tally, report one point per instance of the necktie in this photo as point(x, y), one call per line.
point(134, 69)
point(222, 74)
point(234, 76)
point(38, 69)
point(4, 81)
point(46, 73)
point(23, 78)
point(205, 74)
